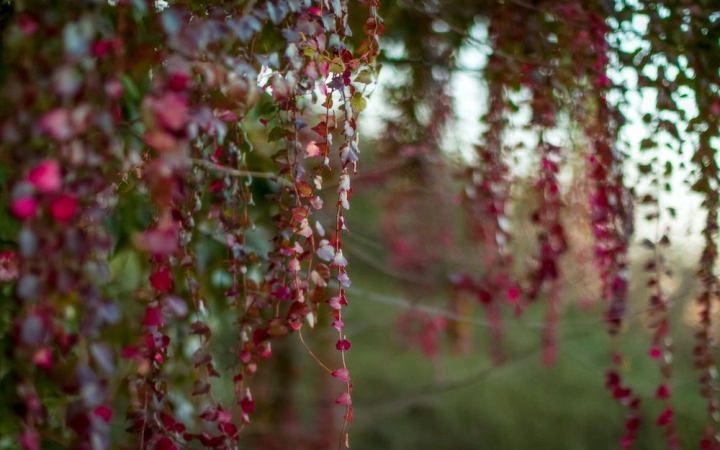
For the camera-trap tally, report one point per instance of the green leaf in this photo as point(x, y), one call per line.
point(358, 102)
point(364, 77)
point(126, 271)
point(276, 134)
point(130, 89)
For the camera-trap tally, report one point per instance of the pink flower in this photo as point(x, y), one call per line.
point(46, 176)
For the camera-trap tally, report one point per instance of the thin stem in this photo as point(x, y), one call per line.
point(229, 171)
point(317, 360)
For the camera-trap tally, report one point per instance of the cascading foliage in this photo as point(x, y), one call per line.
point(173, 170)
point(135, 112)
point(561, 83)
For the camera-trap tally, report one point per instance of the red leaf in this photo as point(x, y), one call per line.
point(8, 266)
point(28, 26)
point(513, 294)
point(655, 353)
point(172, 111)
point(223, 416)
point(632, 424)
point(321, 129)
point(63, 207)
point(210, 414)
point(663, 391)
point(247, 404)
point(201, 387)
point(665, 417)
point(153, 317)
point(43, 358)
point(130, 353)
point(165, 443)
point(342, 345)
point(200, 328)
point(341, 374)
point(167, 420)
point(104, 412)
point(344, 399)
point(211, 441)
point(161, 280)
point(24, 207)
point(229, 429)
point(179, 81)
point(159, 241)
point(30, 440)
